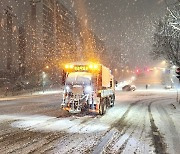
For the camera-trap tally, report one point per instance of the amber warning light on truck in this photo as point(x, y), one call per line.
point(80, 68)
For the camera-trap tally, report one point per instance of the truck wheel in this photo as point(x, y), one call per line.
point(112, 100)
point(105, 107)
point(102, 107)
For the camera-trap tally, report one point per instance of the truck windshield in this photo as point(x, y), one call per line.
point(79, 78)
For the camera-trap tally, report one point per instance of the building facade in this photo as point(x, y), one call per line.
point(39, 32)
point(33, 32)
point(9, 37)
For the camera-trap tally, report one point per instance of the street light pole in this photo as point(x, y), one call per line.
point(43, 81)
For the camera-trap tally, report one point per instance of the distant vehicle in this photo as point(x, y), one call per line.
point(168, 87)
point(129, 88)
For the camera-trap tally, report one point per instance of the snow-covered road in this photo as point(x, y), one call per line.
point(140, 122)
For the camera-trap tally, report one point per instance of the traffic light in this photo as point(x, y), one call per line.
point(137, 71)
point(178, 73)
point(146, 69)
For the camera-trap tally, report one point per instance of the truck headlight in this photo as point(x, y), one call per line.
point(67, 88)
point(88, 89)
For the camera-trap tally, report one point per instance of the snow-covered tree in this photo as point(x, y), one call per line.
point(167, 36)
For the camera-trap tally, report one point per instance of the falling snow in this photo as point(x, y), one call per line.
point(36, 34)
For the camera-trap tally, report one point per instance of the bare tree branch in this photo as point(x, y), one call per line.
point(167, 35)
point(173, 15)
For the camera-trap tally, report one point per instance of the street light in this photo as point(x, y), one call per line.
point(47, 67)
point(174, 66)
point(133, 78)
point(163, 62)
point(43, 80)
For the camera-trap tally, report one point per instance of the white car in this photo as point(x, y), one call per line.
point(168, 87)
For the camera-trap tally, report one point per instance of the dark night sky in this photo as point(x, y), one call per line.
point(126, 26)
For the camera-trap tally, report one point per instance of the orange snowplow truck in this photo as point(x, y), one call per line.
point(87, 87)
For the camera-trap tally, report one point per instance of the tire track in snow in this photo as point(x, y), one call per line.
point(17, 141)
point(144, 123)
point(141, 134)
point(8, 139)
point(35, 143)
point(116, 138)
point(47, 145)
point(119, 125)
point(159, 145)
point(125, 138)
point(101, 146)
point(23, 140)
point(123, 146)
point(118, 141)
point(171, 126)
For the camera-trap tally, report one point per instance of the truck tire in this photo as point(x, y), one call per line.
point(112, 100)
point(102, 107)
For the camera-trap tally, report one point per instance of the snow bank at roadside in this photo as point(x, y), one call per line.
point(56, 91)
